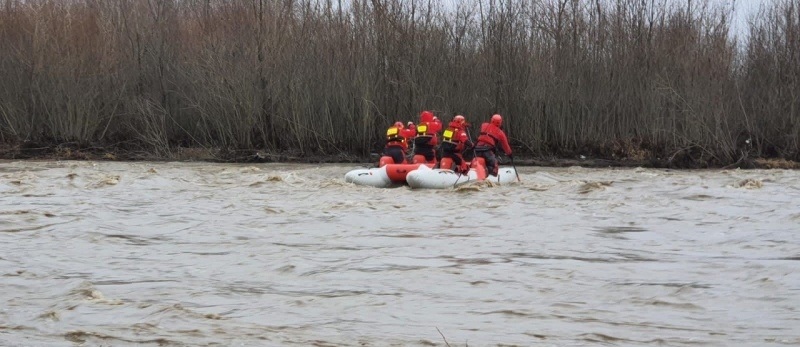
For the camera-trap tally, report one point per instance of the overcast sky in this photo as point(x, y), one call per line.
point(744, 9)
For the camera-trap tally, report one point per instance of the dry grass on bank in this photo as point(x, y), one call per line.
point(777, 164)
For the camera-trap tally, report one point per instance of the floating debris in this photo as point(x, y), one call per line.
point(749, 183)
point(589, 187)
point(107, 181)
point(538, 188)
point(51, 315)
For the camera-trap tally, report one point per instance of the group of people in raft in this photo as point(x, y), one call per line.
point(454, 145)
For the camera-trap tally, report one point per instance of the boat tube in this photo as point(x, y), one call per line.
point(383, 177)
point(427, 178)
point(375, 177)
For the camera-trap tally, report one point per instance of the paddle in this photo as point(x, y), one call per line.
point(469, 137)
point(457, 178)
point(515, 167)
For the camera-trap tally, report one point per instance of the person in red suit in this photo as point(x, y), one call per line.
point(426, 140)
point(454, 141)
point(492, 137)
point(397, 138)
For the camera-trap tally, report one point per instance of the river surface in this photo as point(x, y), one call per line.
point(197, 254)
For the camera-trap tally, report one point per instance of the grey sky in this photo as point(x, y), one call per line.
point(744, 9)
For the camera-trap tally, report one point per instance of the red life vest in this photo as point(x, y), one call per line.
point(454, 138)
point(424, 129)
point(492, 137)
point(451, 134)
point(426, 133)
point(488, 135)
point(394, 137)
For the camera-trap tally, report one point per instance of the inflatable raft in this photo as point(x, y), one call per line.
point(382, 177)
point(427, 178)
point(423, 176)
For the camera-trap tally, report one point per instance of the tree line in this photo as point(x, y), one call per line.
point(641, 79)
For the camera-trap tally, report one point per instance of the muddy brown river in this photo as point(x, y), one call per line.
point(197, 254)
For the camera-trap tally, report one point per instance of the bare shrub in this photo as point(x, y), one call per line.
point(617, 78)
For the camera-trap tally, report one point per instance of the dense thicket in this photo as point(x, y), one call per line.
point(613, 78)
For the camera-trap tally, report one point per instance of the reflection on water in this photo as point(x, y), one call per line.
point(95, 253)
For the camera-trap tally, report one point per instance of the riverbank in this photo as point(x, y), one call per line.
point(70, 151)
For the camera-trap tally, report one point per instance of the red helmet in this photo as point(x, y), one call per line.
point(426, 116)
point(497, 120)
point(459, 119)
point(398, 125)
